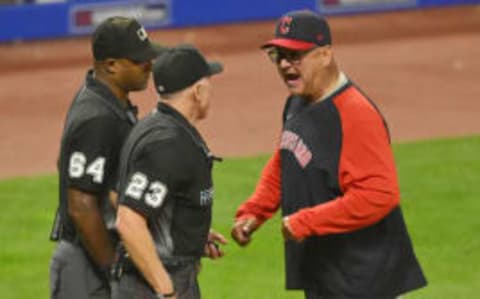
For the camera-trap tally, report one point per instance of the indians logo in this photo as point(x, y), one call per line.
point(285, 24)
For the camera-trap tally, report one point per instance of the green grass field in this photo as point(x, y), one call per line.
point(440, 199)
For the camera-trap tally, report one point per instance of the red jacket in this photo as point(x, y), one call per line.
point(334, 177)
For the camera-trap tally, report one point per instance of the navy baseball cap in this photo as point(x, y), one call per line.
point(121, 37)
point(180, 67)
point(300, 30)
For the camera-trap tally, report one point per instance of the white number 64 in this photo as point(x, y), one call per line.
point(76, 167)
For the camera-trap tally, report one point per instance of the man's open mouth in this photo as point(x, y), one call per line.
point(291, 78)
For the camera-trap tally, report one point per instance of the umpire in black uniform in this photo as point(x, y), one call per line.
point(166, 190)
point(97, 123)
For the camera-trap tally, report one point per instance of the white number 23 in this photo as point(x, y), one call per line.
point(156, 190)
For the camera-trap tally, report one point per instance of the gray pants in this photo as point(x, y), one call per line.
point(72, 275)
point(133, 286)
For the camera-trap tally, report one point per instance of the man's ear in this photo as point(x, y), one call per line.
point(198, 90)
point(110, 65)
point(327, 55)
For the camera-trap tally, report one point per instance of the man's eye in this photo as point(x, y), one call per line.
point(294, 55)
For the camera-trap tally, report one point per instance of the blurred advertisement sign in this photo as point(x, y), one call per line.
point(83, 18)
point(352, 6)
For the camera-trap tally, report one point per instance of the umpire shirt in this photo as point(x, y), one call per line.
point(96, 126)
point(165, 175)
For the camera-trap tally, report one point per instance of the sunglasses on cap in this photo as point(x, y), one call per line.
point(277, 54)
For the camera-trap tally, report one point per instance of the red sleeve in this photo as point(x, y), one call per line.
point(367, 174)
point(264, 202)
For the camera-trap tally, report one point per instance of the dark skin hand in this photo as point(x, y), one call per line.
point(85, 212)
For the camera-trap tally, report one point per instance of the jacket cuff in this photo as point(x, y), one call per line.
point(298, 227)
point(259, 220)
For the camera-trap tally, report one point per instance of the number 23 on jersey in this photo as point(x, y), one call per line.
point(155, 191)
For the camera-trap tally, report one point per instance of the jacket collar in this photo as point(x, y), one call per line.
point(130, 112)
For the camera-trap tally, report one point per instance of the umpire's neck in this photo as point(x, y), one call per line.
point(105, 76)
point(192, 102)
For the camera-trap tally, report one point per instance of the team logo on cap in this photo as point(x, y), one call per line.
point(285, 24)
point(142, 34)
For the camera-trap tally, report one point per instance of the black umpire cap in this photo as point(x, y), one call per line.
point(180, 67)
point(122, 37)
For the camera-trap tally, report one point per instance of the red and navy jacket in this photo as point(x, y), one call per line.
point(334, 176)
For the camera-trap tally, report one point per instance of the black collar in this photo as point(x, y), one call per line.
point(191, 130)
point(167, 109)
point(105, 92)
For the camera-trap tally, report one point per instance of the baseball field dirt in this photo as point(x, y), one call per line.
point(420, 66)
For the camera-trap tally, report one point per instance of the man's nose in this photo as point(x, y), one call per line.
point(284, 63)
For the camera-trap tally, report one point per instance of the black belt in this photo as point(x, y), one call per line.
point(178, 261)
point(75, 238)
point(126, 266)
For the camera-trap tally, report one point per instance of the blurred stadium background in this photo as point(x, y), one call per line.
point(62, 18)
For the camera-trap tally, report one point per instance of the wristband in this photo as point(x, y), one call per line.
point(106, 271)
point(168, 295)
